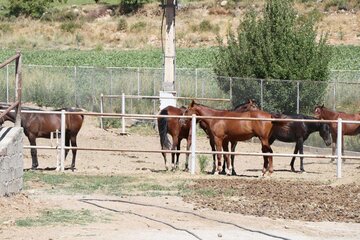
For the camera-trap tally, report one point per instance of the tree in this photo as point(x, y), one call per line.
point(30, 8)
point(278, 45)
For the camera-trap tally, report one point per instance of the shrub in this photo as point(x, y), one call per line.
point(276, 46)
point(203, 163)
point(138, 27)
point(122, 24)
point(29, 8)
point(70, 26)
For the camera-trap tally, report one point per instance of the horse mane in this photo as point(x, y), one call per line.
point(244, 103)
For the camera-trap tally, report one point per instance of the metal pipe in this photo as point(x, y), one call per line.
point(339, 148)
point(62, 141)
point(193, 143)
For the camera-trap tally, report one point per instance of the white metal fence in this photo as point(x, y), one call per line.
point(61, 147)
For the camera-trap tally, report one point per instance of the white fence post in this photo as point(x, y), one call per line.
point(193, 143)
point(123, 112)
point(339, 148)
point(62, 150)
point(101, 110)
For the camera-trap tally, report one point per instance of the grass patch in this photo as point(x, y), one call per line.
point(57, 216)
point(109, 185)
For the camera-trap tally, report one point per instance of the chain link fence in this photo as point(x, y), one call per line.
point(82, 87)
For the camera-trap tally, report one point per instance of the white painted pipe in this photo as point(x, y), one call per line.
point(339, 148)
point(193, 143)
point(123, 112)
point(62, 139)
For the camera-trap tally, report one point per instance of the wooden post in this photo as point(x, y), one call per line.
point(18, 82)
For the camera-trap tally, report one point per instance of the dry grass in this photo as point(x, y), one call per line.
point(143, 29)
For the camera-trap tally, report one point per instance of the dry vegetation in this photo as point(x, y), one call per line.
point(197, 25)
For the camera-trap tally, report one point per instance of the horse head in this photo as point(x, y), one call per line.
point(325, 133)
point(250, 105)
point(318, 111)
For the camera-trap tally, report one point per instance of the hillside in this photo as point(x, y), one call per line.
point(100, 27)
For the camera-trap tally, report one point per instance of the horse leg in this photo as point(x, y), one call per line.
point(228, 169)
point(178, 146)
point(233, 146)
point(33, 151)
point(73, 144)
point(212, 144)
point(188, 145)
point(218, 144)
point(333, 147)
point(342, 148)
point(268, 160)
point(293, 158)
point(301, 150)
point(174, 146)
point(67, 144)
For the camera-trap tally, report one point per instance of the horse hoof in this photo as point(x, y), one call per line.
point(233, 173)
point(216, 173)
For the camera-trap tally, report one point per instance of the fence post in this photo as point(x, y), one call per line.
point(75, 84)
point(123, 113)
point(339, 148)
point(138, 81)
point(18, 88)
point(193, 143)
point(196, 81)
point(101, 110)
point(334, 101)
point(231, 88)
point(298, 97)
point(262, 93)
point(62, 139)
point(7, 83)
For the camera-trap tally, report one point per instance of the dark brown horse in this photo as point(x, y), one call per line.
point(224, 131)
point(42, 125)
point(298, 132)
point(350, 129)
point(179, 129)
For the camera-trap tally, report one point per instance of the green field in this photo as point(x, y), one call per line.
point(344, 58)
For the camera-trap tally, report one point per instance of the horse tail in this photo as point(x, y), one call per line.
point(163, 129)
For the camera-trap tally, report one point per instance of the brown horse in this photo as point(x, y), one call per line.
point(42, 125)
point(250, 105)
point(224, 131)
point(179, 129)
point(350, 129)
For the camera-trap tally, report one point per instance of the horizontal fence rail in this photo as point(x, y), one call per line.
point(193, 151)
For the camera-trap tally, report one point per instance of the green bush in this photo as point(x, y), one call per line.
point(29, 8)
point(279, 45)
point(131, 6)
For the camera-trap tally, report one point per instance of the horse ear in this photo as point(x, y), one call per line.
point(192, 103)
point(250, 100)
point(322, 106)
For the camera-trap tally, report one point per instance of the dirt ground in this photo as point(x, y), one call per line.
point(287, 205)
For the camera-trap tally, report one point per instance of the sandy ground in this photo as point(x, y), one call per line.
point(140, 217)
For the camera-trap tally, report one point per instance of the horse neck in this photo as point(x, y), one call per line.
point(328, 115)
point(10, 116)
point(206, 111)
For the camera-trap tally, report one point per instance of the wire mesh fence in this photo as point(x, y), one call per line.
point(82, 86)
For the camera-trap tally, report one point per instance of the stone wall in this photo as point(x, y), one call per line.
point(11, 160)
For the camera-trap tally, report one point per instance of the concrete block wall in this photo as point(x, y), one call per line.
point(11, 160)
